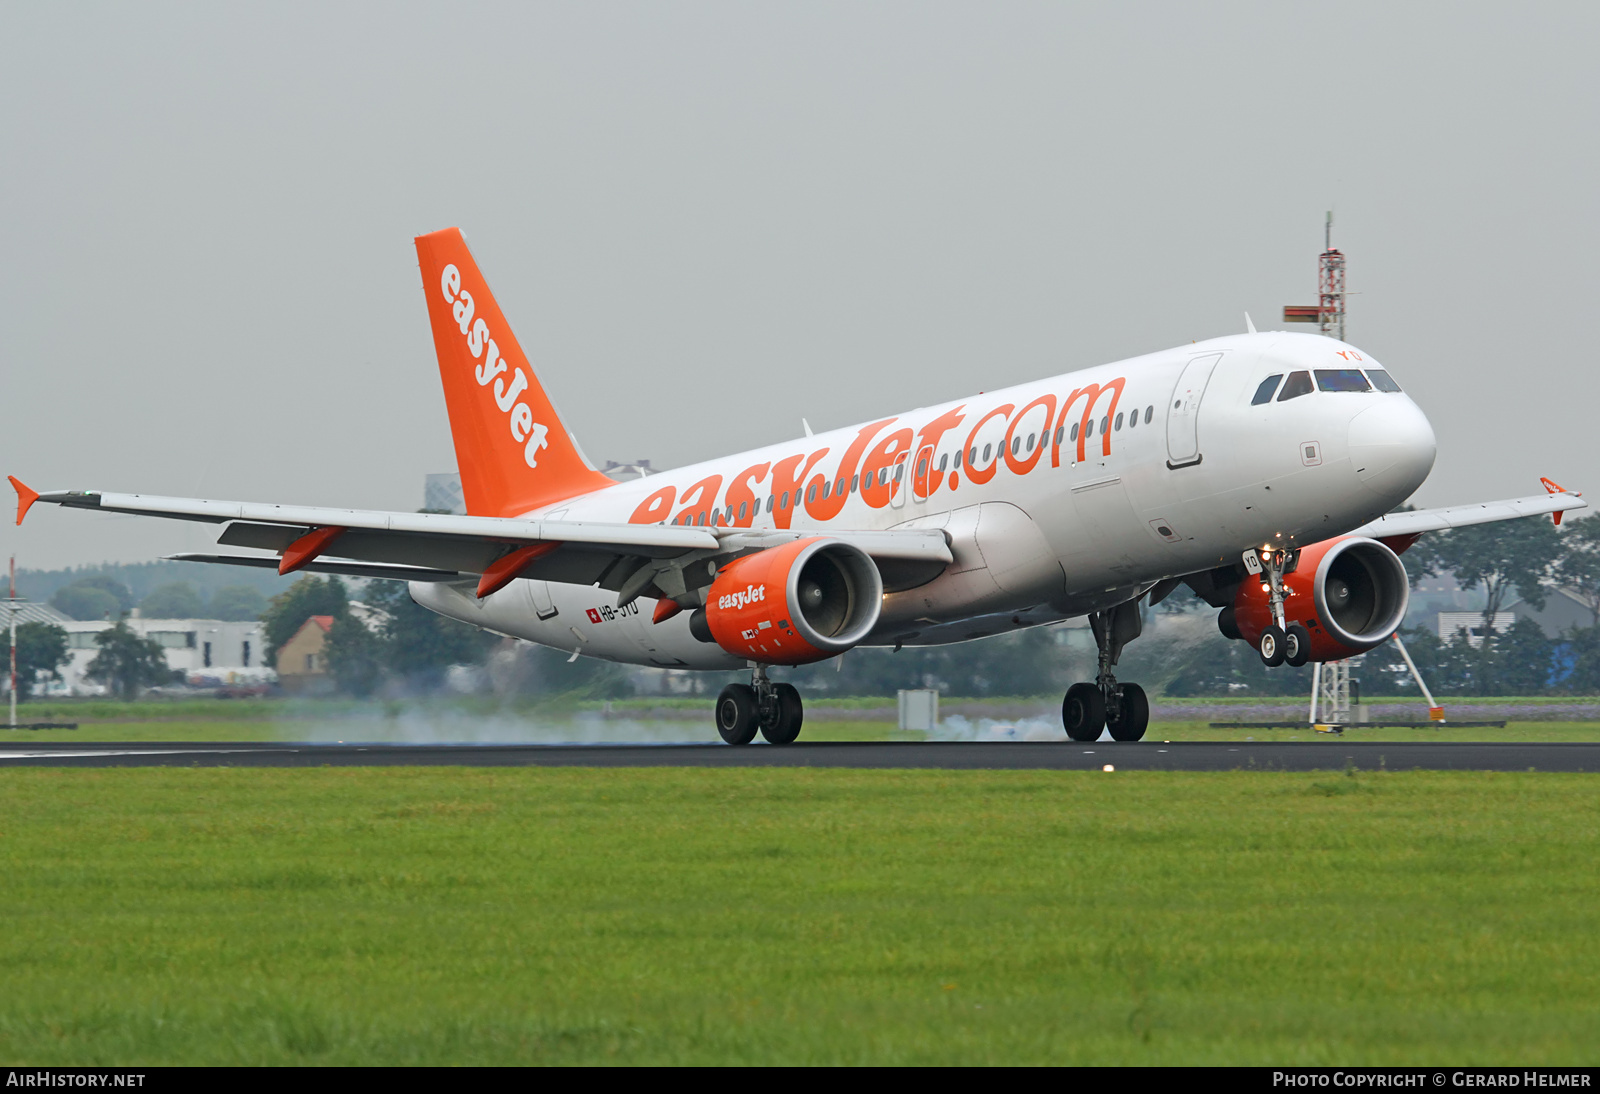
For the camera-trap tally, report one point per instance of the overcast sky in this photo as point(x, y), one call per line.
point(707, 220)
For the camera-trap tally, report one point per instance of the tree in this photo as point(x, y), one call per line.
point(1506, 555)
point(1524, 659)
point(289, 610)
point(93, 597)
point(126, 662)
point(1583, 651)
point(174, 600)
point(237, 603)
point(1579, 566)
point(355, 656)
point(419, 645)
point(41, 650)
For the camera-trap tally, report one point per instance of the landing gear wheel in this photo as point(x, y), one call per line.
point(1083, 712)
point(1132, 716)
point(737, 714)
point(1297, 645)
point(1272, 645)
point(785, 726)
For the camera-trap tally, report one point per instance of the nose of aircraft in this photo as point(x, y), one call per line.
point(1391, 447)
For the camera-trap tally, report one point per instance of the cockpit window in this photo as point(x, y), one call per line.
point(1382, 380)
point(1298, 384)
point(1342, 379)
point(1264, 392)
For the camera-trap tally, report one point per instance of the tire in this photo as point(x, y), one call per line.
point(1083, 712)
point(737, 714)
point(1272, 646)
point(1297, 645)
point(1133, 717)
point(791, 713)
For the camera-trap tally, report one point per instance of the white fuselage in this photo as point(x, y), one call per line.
point(1040, 531)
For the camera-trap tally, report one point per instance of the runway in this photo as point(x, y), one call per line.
point(1008, 755)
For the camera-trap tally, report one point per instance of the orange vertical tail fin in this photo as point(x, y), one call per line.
point(513, 451)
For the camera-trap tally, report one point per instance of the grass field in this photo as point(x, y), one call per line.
point(797, 916)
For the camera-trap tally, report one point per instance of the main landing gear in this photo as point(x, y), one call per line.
point(774, 709)
point(1106, 704)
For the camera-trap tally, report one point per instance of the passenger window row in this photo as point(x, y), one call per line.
point(781, 501)
point(1328, 379)
point(885, 474)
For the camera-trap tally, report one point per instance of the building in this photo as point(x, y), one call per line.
point(1564, 610)
point(29, 611)
point(442, 494)
point(209, 652)
point(1451, 623)
point(626, 472)
point(303, 660)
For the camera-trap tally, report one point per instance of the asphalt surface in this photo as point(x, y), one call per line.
point(1144, 756)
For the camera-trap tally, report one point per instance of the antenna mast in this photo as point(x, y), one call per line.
point(1328, 312)
point(1330, 285)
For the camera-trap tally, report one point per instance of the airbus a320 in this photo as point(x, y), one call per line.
point(1261, 470)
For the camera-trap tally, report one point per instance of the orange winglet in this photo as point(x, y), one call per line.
point(502, 571)
point(26, 496)
point(665, 610)
point(1551, 487)
point(308, 547)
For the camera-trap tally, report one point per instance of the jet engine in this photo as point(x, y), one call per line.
point(791, 605)
point(1347, 594)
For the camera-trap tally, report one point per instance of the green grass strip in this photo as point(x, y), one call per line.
point(434, 916)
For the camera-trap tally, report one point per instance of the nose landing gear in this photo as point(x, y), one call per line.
point(773, 709)
point(1280, 640)
point(1124, 709)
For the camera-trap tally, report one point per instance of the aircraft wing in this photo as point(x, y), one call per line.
point(444, 547)
point(1554, 502)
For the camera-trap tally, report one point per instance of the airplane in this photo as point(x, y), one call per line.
point(1261, 470)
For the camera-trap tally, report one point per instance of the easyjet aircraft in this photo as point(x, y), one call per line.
point(1257, 469)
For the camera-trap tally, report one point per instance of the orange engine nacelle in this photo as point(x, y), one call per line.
point(1349, 593)
point(791, 605)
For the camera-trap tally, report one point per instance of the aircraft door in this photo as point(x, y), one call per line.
point(921, 473)
point(1183, 411)
point(897, 481)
